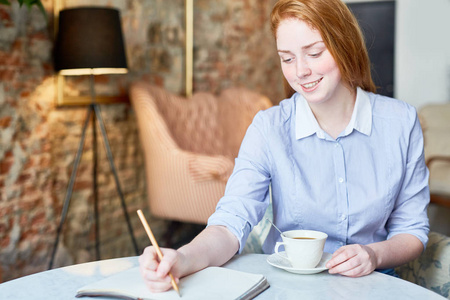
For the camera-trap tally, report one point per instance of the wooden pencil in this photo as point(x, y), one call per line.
point(155, 244)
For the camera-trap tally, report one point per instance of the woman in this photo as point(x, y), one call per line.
point(340, 159)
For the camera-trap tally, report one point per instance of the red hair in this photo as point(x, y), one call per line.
point(340, 32)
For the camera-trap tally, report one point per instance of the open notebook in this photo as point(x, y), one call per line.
point(209, 283)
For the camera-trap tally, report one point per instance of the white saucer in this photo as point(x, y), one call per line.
point(281, 261)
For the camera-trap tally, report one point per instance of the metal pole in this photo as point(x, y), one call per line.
point(94, 172)
point(70, 187)
point(93, 108)
point(116, 178)
point(98, 115)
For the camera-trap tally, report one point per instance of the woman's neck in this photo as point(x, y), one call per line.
point(334, 115)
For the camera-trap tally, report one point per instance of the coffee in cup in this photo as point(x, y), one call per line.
point(304, 248)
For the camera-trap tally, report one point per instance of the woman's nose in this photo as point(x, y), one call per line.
point(303, 69)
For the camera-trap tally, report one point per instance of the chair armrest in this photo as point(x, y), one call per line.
point(435, 158)
point(209, 167)
point(439, 175)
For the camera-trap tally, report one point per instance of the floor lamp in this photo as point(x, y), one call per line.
point(90, 42)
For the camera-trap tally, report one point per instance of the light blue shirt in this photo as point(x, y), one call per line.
point(366, 186)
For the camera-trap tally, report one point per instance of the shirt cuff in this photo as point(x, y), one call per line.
point(421, 235)
point(235, 224)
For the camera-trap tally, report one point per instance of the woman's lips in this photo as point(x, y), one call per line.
point(311, 85)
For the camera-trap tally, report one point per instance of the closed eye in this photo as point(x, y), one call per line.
point(315, 54)
point(287, 60)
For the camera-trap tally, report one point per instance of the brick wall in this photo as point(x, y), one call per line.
point(38, 141)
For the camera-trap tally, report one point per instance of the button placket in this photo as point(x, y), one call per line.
point(341, 190)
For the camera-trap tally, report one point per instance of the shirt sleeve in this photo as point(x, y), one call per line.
point(410, 210)
point(247, 192)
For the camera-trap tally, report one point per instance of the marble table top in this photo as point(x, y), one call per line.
point(62, 283)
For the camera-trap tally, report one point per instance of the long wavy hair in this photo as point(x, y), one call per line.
point(340, 32)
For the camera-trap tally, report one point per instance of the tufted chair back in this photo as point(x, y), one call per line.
point(189, 146)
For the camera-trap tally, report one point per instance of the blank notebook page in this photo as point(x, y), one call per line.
point(210, 283)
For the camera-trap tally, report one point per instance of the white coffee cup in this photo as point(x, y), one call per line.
point(304, 248)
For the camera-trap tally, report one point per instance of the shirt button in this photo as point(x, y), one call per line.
point(336, 145)
point(341, 180)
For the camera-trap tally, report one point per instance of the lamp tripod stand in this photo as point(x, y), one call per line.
point(95, 110)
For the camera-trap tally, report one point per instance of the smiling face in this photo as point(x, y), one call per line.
point(307, 65)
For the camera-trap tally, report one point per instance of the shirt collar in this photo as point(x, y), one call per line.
point(306, 124)
point(362, 114)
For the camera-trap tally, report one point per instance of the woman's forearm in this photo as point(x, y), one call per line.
point(214, 246)
point(397, 250)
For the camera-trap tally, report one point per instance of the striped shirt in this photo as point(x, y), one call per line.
point(365, 186)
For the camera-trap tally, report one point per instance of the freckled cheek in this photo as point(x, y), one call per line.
point(326, 67)
point(289, 73)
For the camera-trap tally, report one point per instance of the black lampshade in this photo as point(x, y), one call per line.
point(90, 38)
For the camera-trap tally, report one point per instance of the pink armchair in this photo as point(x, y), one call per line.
point(189, 146)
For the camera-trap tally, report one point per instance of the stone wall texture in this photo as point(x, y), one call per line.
point(233, 46)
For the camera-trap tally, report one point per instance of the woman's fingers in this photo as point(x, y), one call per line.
point(157, 284)
point(155, 272)
point(167, 263)
point(149, 259)
point(340, 256)
point(353, 261)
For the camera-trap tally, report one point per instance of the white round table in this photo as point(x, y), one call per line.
point(63, 283)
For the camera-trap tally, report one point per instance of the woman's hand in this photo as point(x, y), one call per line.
point(353, 261)
point(359, 260)
point(214, 246)
point(156, 273)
